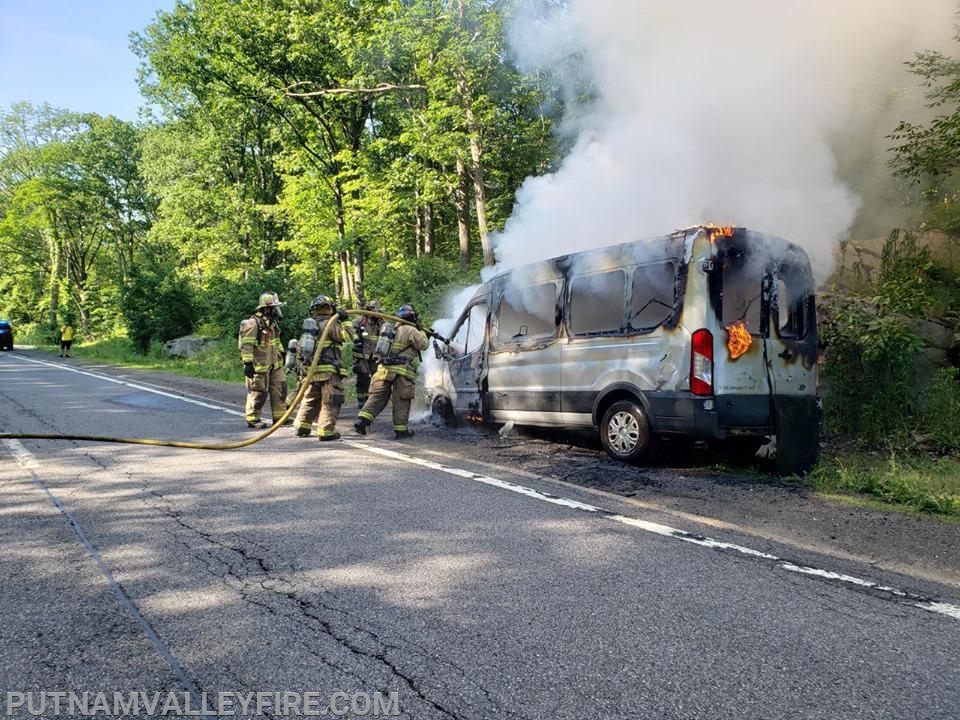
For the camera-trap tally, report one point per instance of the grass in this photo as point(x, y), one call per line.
point(912, 482)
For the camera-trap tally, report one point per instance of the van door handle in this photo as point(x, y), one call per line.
point(786, 355)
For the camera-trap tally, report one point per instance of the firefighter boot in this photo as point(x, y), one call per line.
point(403, 434)
point(334, 436)
point(303, 432)
point(361, 426)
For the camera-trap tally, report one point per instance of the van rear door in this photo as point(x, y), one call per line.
point(739, 293)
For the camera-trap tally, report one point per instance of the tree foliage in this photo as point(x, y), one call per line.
point(360, 148)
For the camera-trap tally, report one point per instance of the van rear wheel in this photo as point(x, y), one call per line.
point(625, 431)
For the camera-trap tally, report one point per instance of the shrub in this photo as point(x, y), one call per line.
point(157, 305)
point(870, 352)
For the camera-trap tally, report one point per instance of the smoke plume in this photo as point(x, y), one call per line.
point(741, 112)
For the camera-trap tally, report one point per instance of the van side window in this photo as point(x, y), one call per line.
point(596, 303)
point(653, 297)
point(527, 313)
point(469, 335)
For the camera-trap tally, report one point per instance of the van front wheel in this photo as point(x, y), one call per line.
point(625, 431)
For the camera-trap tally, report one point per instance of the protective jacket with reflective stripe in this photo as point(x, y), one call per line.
point(329, 361)
point(404, 357)
point(259, 343)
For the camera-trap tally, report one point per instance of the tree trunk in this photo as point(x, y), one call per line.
point(479, 192)
point(428, 229)
point(358, 273)
point(346, 290)
point(417, 224)
point(56, 269)
point(462, 201)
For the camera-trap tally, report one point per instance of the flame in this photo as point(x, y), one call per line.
point(474, 417)
point(739, 340)
point(717, 231)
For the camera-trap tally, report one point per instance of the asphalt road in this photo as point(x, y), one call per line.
point(291, 566)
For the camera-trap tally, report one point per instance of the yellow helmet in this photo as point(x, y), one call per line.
point(269, 299)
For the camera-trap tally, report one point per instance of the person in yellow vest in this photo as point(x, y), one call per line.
point(262, 355)
point(66, 339)
point(397, 374)
point(323, 398)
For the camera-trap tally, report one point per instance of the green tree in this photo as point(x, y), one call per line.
point(928, 155)
point(69, 189)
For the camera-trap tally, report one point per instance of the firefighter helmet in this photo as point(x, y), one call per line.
point(407, 312)
point(322, 301)
point(372, 305)
point(269, 299)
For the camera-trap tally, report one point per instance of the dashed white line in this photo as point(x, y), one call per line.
point(940, 608)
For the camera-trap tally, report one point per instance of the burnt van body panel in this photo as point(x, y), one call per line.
point(606, 338)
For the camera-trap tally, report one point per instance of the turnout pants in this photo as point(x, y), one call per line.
point(261, 386)
point(364, 368)
point(321, 404)
point(402, 389)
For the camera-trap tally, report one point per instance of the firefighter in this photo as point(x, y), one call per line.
point(365, 361)
point(399, 350)
point(262, 355)
point(324, 396)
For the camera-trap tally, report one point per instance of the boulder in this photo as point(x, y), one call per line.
point(187, 346)
point(934, 334)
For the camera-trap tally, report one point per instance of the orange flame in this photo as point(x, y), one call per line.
point(717, 231)
point(739, 340)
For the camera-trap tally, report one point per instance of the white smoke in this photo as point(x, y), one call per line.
point(734, 112)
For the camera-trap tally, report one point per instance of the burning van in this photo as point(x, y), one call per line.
point(708, 334)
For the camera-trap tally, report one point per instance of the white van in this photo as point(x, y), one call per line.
point(708, 333)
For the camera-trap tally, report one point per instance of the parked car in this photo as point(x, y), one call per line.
point(708, 333)
point(6, 335)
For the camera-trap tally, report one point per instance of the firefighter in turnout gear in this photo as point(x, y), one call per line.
point(262, 355)
point(399, 350)
point(365, 362)
point(324, 396)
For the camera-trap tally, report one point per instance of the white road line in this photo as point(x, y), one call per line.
point(135, 386)
point(23, 456)
point(941, 608)
point(26, 460)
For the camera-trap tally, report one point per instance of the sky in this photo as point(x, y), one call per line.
point(73, 54)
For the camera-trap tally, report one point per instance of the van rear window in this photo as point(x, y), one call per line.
point(743, 290)
point(527, 313)
point(794, 309)
point(596, 303)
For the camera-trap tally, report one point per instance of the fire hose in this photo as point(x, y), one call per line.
point(301, 391)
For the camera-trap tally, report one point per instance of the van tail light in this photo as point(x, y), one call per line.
point(701, 363)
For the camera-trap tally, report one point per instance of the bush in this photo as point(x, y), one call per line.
point(423, 281)
point(870, 352)
point(227, 302)
point(157, 305)
point(941, 410)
